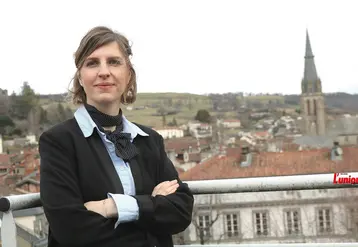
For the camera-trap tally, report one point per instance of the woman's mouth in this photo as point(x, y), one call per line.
point(104, 85)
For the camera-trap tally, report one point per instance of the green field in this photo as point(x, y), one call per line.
point(189, 105)
point(265, 99)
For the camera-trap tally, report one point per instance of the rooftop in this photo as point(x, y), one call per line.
point(274, 164)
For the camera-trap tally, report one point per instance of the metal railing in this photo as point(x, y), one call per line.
point(12, 203)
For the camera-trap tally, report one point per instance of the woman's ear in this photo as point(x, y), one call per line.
point(79, 78)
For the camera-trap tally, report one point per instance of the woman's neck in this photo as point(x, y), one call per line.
point(109, 109)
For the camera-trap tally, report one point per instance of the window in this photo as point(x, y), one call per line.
point(204, 225)
point(353, 219)
point(232, 225)
point(261, 223)
point(308, 107)
point(324, 221)
point(293, 222)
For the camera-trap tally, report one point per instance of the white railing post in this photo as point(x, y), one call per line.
point(8, 230)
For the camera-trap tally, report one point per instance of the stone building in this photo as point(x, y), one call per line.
point(302, 216)
point(312, 99)
point(318, 131)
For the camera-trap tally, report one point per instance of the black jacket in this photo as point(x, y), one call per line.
point(75, 170)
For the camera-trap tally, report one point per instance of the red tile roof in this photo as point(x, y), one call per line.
point(275, 164)
point(194, 157)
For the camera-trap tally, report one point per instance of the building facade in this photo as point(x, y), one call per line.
point(275, 217)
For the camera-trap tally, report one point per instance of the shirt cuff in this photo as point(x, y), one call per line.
point(127, 208)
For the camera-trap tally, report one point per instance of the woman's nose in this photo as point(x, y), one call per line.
point(103, 71)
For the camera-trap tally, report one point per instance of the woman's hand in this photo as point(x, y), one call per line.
point(165, 188)
point(106, 208)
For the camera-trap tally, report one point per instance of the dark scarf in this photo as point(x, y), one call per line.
point(125, 149)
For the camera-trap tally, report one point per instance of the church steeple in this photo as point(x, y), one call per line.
point(309, 53)
point(312, 99)
point(311, 83)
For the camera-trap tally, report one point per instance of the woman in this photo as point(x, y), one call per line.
point(104, 180)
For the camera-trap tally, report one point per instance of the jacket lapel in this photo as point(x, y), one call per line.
point(106, 163)
point(135, 168)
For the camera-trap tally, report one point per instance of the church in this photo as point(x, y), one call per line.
point(318, 130)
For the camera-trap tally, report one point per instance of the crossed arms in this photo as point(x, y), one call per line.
point(76, 222)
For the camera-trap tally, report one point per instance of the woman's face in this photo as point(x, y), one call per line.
point(105, 75)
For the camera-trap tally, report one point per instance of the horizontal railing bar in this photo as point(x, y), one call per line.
point(264, 184)
point(218, 186)
point(18, 202)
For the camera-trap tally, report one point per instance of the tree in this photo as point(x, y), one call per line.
point(349, 223)
point(203, 223)
point(61, 112)
point(34, 120)
point(43, 116)
point(5, 121)
point(169, 102)
point(22, 104)
point(69, 112)
point(203, 116)
point(164, 121)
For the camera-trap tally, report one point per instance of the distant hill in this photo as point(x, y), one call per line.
point(342, 101)
point(149, 107)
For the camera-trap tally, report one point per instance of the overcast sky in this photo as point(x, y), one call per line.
point(186, 46)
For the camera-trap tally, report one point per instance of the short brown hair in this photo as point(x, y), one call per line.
point(95, 38)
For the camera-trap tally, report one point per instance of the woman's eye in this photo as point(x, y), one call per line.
point(91, 63)
point(115, 62)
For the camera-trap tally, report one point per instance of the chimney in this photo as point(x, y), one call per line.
point(336, 152)
point(246, 156)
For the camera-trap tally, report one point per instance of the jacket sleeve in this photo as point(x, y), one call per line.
point(70, 222)
point(166, 214)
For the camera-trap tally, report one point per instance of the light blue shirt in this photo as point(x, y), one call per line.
point(127, 206)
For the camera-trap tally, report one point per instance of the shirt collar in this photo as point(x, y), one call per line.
point(87, 125)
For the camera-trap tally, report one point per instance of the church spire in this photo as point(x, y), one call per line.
point(309, 53)
point(312, 98)
point(311, 82)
